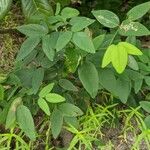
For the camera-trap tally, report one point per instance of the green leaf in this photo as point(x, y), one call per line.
point(119, 58)
point(54, 98)
point(129, 28)
point(88, 75)
point(37, 79)
point(47, 49)
point(147, 121)
point(44, 106)
point(106, 18)
point(131, 49)
point(145, 105)
point(58, 8)
point(11, 116)
point(72, 121)
point(33, 30)
point(4, 7)
point(25, 121)
point(79, 23)
point(83, 41)
point(63, 39)
point(138, 85)
point(108, 55)
point(147, 80)
point(123, 89)
point(68, 12)
point(27, 47)
point(67, 85)
point(138, 11)
point(32, 7)
point(108, 80)
point(70, 110)
point(56, 122)
point(72, 59)
point(1, 92)
point(132, 63)
point(97, 41)
point(46, 90)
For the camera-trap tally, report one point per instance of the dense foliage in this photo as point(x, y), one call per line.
point(69, 62)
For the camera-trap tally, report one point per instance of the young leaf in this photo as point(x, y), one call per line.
point(88, 75)
point(119, 58)
point(108, 54)
point(11, 116)
point(68, 12)
point(33, 30)
point(63, 40)
point(27, 47)
point(1, 92)
point(37, 79)
point(56, 122)
point(131, 49)
point(54, 98)
point(25, 121)
point(44, 106)
point(46, 90)
point(79, 23)
point(138, 11)
point(129, 28)
point(83, 41)
point(47, 49)
point(145, 105)
point(70, 110)
point(32, 7)
point(106, 18)
point(4, 7)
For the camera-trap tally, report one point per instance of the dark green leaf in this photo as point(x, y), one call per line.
point(106, 18)
point(70, 110)
point(32, 7)
point(123, 89)
point(63, 39)
point(37, 79)
point(129, 28)
point(83, 41)
point(88, 75)
point(27, 47)
point(97, 41)
point(11, 116)
point(68, 12)
point(147, 121)
point(25, 121)
point(108, 80)
point(47, 49)
point(56, 122)
point(33, 30)
point(79, 23)
point(138, 11)
point(145, 105)
point(67, 85)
